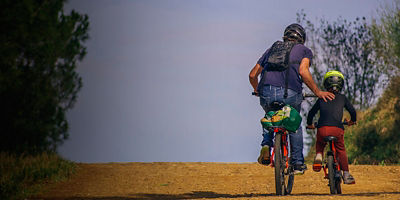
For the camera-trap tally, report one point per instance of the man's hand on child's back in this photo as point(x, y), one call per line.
point(326, 96)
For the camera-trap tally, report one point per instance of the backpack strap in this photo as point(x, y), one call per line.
point(286, 83)
point(287, 72)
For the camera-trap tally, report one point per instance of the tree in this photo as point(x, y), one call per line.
point(386, 36)
point(40, 46)
point(347, 47)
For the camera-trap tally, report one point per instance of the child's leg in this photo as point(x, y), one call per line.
point(320, 143)
point(319, 149)
point(341, 150)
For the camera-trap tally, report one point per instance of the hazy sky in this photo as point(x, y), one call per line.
point(167, 80)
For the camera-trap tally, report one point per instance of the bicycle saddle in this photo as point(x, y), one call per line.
point(330, 138)
point(276, 105)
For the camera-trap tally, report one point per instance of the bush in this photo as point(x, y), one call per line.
point(375, 139)
point(21, 176)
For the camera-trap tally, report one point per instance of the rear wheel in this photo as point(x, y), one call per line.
point(338, 180)
point(331, 175)
point(289, 180)
point(279, 167)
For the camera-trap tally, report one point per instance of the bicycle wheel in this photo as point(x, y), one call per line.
point(289, 180)
point(331, 174)
point(279, 167)
point(338, 180)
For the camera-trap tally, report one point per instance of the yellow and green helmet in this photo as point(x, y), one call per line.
point(333, 80)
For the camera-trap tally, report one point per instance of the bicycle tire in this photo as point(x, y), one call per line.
point(290, 181)
point(331, 175)
point(337, 182)
point(279, 168)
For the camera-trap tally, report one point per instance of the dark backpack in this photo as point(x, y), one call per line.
point(278, 60)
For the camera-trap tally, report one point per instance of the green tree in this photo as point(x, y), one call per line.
point(40, 46)
point(386, 36)
point(347, 46)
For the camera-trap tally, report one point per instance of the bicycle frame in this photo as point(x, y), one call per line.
point(332, 151)
point(281, 132)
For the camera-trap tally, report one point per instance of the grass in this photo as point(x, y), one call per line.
point(22, 176)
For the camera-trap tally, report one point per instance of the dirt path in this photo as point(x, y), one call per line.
point(214, 180)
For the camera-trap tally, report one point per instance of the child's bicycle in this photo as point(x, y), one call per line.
point(331, 168)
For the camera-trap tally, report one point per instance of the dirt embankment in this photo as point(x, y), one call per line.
point(214, 181)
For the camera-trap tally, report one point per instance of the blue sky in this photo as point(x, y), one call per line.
point(167, 80)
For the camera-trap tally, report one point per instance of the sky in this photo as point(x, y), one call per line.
point(167, 80)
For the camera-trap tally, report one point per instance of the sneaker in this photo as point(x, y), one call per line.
point(348, 178)
point(264, 156)
point(317, 165)
point(299, 169)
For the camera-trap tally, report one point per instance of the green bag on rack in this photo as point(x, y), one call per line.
point(287, 117)
point(293, 120)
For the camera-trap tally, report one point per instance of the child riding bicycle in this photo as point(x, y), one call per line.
point(330, 123)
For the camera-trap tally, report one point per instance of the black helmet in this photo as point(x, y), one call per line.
point(333, 80)
point(295, 31)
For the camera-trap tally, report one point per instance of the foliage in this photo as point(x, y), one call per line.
point(39, 48)
point(386, 36)
point(346, 46)
point(375, 139)
point(21, 176)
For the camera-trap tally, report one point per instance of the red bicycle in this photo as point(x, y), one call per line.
point(284, 176)
point(331, 169)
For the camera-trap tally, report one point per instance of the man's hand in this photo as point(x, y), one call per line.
point(255, 93)
point(326, 96)
point(310, 126)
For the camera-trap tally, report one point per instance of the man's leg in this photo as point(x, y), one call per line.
point(296, 146)
point(266, 143)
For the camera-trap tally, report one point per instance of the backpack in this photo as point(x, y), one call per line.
point(278, 60)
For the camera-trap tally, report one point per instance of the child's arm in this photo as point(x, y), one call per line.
point(349, 107)
point(312, 112)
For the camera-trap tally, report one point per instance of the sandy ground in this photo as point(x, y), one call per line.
point(214, 181)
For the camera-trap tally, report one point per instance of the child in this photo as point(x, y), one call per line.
point(330, 123)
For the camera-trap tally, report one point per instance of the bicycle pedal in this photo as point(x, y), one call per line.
point(317, 167)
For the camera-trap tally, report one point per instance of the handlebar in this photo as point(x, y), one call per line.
point(343, 122)
point(309, 95)
point(304, 95)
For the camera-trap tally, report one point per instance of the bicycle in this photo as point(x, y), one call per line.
point(334, 174)
point(284, 173)
point(279, 159)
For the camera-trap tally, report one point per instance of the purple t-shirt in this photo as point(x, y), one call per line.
point(276, 78)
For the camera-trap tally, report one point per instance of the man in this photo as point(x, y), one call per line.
point(272, 87)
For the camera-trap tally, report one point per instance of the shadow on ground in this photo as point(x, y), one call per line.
point(210, 195)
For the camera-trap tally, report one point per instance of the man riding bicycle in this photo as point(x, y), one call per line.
point(286, 86)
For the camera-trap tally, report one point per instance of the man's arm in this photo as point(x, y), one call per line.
point(305, 74)
point(253, 76)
